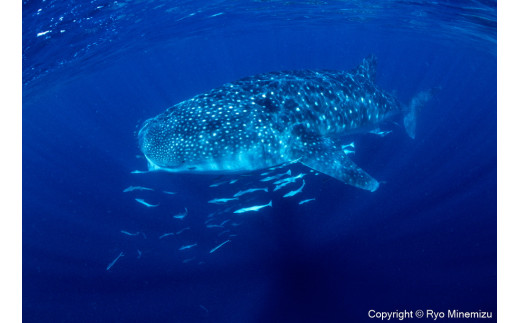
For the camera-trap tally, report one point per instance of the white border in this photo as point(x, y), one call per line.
point(508, 162)
point(11, 159)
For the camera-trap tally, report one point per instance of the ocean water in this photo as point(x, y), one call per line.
point(94, 71)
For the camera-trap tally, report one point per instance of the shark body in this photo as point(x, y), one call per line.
point(274, 118)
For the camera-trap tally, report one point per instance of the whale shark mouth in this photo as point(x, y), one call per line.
point(152, 166)
point(143, 131)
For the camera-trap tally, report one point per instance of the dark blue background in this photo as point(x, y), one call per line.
point(425, 240)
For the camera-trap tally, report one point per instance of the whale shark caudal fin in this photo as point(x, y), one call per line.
point(326, 156)
point(416, 103)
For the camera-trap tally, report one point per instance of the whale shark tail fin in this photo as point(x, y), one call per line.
point(411, 111)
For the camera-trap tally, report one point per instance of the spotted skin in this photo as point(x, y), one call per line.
point(269, 119)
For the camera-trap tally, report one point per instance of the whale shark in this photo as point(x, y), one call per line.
point(275, 118)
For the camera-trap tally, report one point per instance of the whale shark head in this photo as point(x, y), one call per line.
point(161, 146)
point(176, 142)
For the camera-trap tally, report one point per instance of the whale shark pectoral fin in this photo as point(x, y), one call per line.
point(353, 175)
point(326, 156)
point(341, 167)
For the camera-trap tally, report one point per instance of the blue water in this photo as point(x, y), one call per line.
point(93, 71)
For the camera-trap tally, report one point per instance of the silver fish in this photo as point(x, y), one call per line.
point(293, 193)
point(143, 202)
point(251, 190)
point(253, 208)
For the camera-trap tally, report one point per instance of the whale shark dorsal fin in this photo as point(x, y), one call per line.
point(367, 68)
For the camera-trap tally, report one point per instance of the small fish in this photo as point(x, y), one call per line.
point(170, 193)
point(166, 235)
point(129, 233)
point(306, 201)
point(285, 164)
point(143, 202)
point(139, 171)
point(251, 190)
point(270, 178)
point(220, 245)
point(218, 184)
point(181, 216)
point(139, 254)
point(223, 232)
point(205, 309)
point(279, 186)
point(253, 208)
point(182, 230)
point(379, 132)
point(297, 160)
point(233, 181)
point(293, 193)
point(137, 188)
point(224, 222)
point(187, 246)
point(349, 149)
point(290, 179)
point(188, 260)
point(42, 33)
point(222, 200)
point(115, 260)
point(350, 146)
point(213, 226)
